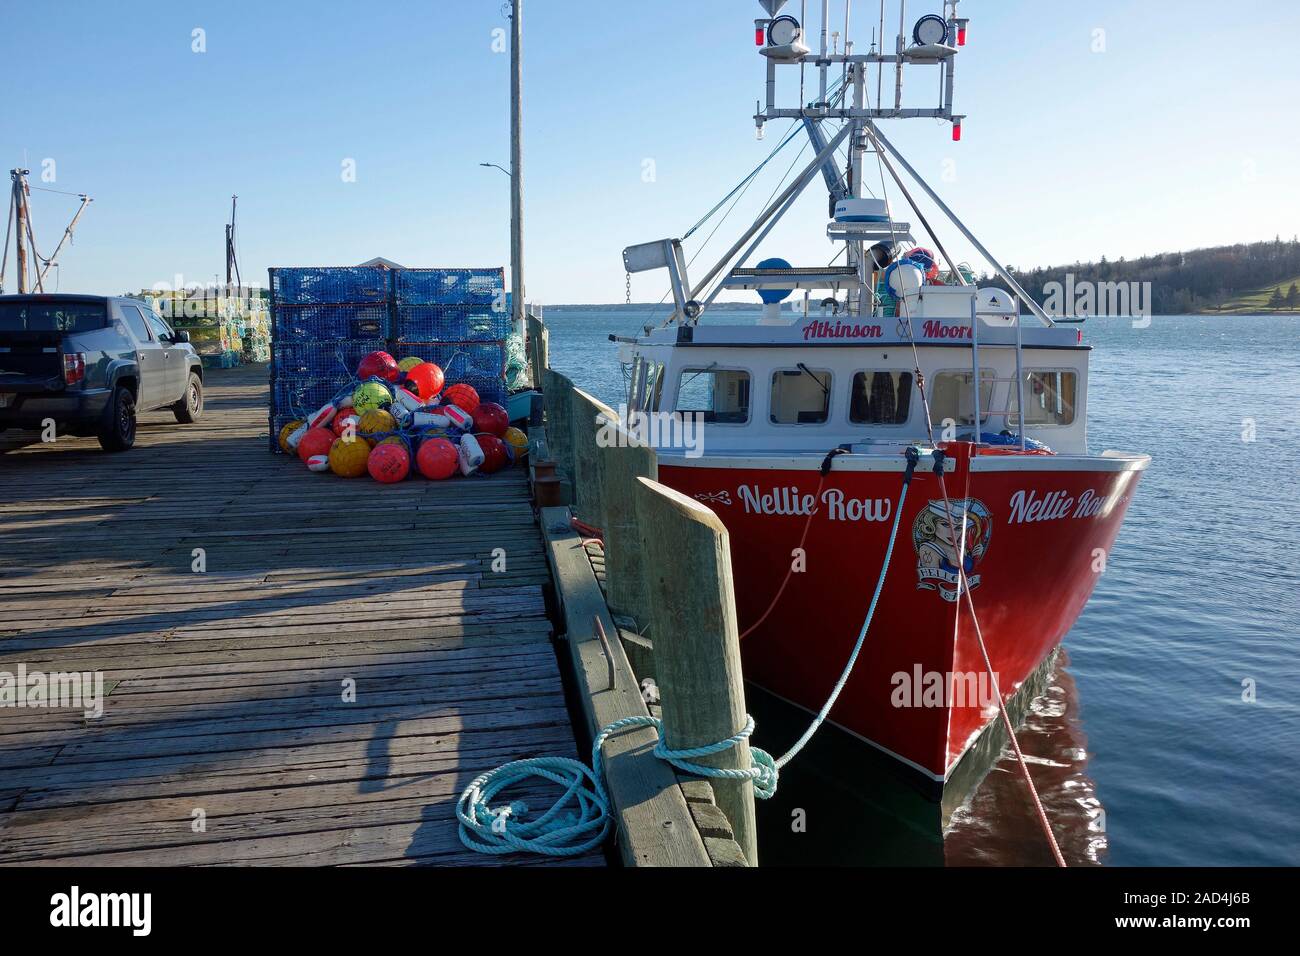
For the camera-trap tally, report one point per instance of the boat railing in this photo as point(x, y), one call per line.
point(1012, 312)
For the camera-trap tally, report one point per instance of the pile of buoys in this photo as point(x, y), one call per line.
point(398, 419)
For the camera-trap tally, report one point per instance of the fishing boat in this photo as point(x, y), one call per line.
point(800, 431)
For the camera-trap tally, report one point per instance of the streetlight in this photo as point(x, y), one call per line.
point(495, 166)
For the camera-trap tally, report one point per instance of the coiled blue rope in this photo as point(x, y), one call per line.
point(579, 820)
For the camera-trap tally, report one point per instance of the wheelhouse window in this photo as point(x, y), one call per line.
point(953, 397)
point(1049, 398)
point(647, 385)
point(721, 395)
point(800, 396)
point(881, 398)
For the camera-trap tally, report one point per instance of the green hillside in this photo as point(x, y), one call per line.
point(1224, 279)
point(1281, 296)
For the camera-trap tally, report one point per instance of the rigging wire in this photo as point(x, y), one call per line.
point(790, 134)
point(963, 584)
point(60, 192)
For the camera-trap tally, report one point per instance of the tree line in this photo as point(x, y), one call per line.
point(1195, 281)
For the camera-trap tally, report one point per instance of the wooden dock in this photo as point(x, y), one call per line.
point(319, 694)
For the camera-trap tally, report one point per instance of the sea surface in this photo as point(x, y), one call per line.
point(1170, 734)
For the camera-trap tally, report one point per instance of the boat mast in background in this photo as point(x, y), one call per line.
point(19, 224)
point(232, 261)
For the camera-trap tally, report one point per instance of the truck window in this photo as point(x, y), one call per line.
point(139, 328)
point(52, 316)
point(160, 330)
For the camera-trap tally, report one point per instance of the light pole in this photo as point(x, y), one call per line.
point(516, 167)
point(497, 166)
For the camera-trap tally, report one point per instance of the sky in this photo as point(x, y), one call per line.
point(1095, 128)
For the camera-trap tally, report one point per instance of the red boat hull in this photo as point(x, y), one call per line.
point(1037, 537)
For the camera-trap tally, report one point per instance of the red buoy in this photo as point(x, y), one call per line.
point(491, 418)
point(378, 365)
point(389, 464)
point(427, 379)
point(495, 454)
point(317, 441)
point(463, 397)
point(437, 459)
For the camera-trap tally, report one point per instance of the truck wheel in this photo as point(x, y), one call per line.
point(190, 408)
point(117, 432)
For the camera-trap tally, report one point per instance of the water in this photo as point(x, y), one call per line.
point(1148, 752)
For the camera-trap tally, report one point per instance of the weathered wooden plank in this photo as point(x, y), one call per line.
point(697, 644)
point(225, 690)
point(654, 825)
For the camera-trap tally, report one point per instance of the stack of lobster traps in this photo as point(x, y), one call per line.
point(325, 320)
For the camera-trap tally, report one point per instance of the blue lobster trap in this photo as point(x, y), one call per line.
point(300, 397)
point(480, 364)
point(314, 323)
point(484, 287)
point(450, 323)
point(336, 286)
point(324, 321)
point(324, 359)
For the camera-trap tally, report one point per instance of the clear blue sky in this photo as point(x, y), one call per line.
point(1181, 134)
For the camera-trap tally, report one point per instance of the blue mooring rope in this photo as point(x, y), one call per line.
point(579, 820)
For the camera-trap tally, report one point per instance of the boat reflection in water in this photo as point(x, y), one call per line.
point(840, 804)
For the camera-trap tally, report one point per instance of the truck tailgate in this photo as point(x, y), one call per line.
point(29, 361)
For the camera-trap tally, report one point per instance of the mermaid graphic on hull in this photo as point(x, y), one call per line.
point(939, 545)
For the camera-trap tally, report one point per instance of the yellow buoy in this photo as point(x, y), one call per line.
point(348, 459)
point(376, 422)
point(407, 364)
point(518, 443)
point(285, 432)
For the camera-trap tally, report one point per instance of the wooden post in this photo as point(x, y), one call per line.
point(516, 167)
point(697, 643)
point(557, 388)
point(588, 494)
point(617, 468)
point(20, 228)
point(539, 349)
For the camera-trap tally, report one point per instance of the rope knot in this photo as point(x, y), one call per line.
point(762, 770)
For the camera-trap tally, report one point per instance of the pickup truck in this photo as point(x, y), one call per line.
point(90, 363)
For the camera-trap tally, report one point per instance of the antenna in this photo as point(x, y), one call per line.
point(232, 260)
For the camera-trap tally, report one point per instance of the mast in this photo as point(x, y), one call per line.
point(20, 213)
point(516, 168)
point(67, 234)
point(25, 239)
point(232, 263)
